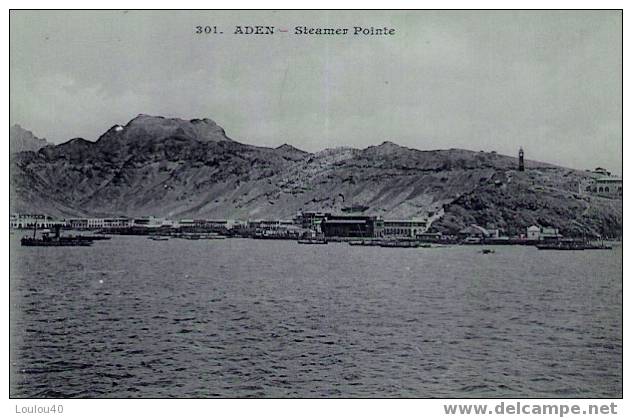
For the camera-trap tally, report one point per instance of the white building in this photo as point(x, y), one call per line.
point(537, 233)
point(533, 233)
point(607, 186)
point(29, 221)
point(404, 227)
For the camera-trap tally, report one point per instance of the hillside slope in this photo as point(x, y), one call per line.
point(177, 168)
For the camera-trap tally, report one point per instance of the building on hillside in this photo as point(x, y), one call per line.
point(607, 186)
point(601, 171)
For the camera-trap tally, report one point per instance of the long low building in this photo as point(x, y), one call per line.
point(29, 221)
point(352, 226)
point(409, 228)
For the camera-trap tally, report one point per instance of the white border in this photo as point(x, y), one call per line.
point(266, 408)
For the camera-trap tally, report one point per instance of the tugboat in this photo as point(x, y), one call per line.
point(55, 241)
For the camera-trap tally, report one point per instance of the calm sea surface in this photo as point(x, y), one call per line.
point(131, 317)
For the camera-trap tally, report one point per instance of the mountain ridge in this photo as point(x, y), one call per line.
point(178, 168)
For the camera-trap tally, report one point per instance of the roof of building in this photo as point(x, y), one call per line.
point(609, 180)
point(345, 221)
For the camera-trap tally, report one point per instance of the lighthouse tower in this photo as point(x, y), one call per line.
point(521, 160)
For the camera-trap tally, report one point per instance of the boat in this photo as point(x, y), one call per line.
point(190, 236)
point(158, 238)
point(566, 245)
point(48, 241)
point(600, 246)
point(88, 237)
point(212, 236)
point(366, 243)
point(573, 244)
point(487, 251)
point(400, 244)
point(55, 240)
point(312, 241)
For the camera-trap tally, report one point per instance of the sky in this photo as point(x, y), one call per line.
point(549, 81)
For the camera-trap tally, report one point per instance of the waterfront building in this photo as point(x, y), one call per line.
point(549, 233)
point(350, 226)
point(270, 224)
point(147, 222)
point(120, 222)
point(186, 223)
point(96, 223)
point(29, 220)
point(311, 219)
point(239, 225)
point(77, 223)
point(220, 223)
point(215, 225)
point(430, 236)
point(533, 233)
point(404, 228)
point(538, 233)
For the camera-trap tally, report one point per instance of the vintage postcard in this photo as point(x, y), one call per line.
point(316, 204)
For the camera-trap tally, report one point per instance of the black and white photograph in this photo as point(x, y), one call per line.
point(316, 204)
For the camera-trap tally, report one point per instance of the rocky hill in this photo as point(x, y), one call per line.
point(182, 169)
point(21, 139)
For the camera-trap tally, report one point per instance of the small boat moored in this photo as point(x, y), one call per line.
point(400, 244)
point(312, 241)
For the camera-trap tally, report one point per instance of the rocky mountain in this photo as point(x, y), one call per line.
point(21, 139)
point(184, 169)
